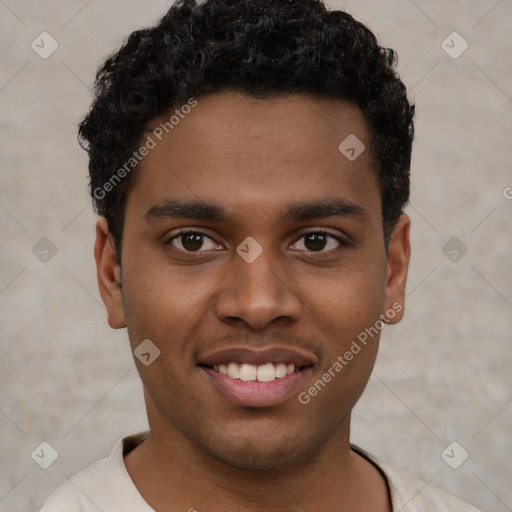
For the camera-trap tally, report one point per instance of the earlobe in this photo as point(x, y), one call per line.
point(399, 254)
point(109, 275)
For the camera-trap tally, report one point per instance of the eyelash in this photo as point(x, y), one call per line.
point(343, 243)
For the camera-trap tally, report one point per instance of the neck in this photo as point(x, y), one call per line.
point(168, 468)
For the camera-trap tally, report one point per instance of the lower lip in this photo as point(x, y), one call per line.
point(255, 393)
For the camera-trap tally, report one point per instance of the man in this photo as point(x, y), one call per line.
point(249, 160)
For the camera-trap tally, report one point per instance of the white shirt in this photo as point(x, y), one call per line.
point(106, 486)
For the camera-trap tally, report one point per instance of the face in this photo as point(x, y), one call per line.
point(253, 246)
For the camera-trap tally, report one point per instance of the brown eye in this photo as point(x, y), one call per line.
point(192, 241)
point(315, 241)
point(319, 241)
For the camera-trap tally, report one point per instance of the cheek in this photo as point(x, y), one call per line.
point(156, 291)
point(348, 299)
point(346, 309)
point(167, 308)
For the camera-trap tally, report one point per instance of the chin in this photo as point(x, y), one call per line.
point(261, 454)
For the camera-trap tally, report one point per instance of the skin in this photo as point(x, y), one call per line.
point(254, 158)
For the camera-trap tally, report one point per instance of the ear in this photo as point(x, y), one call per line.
point(109, 275)
point(399, 254)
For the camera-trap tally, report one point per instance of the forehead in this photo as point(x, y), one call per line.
point(240, 151)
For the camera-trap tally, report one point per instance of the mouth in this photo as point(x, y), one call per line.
point(258, 378)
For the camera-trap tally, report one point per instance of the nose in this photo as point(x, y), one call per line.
point(258, 293)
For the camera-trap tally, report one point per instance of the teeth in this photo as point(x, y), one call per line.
point(233, 370)
point(282, 369)
point(247, 372)
point(266, 373)
point(250, 372)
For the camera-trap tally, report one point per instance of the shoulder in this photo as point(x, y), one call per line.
point(75, 493)
point(410, 494)
point(104, 485)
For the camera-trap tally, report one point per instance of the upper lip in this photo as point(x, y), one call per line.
point(258, 357)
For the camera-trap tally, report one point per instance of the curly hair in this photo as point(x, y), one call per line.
point(263, 48)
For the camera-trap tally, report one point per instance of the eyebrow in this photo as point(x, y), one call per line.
point(199, 210)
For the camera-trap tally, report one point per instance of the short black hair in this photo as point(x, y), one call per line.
point(263, 48)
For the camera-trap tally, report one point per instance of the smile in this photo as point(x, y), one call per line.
point(258, 378)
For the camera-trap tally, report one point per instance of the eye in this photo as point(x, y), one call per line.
point(192, 241)
point(197, 241)
point(317, 241)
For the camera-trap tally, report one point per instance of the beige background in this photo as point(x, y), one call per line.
point(443, 374)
